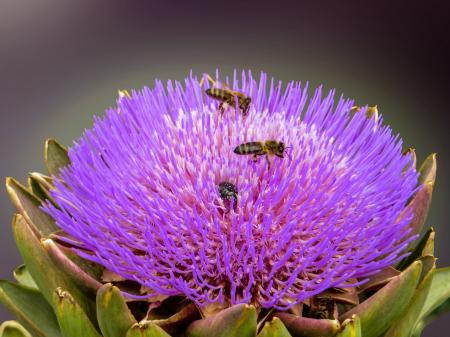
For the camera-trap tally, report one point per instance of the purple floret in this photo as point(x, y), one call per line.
point(141, 194)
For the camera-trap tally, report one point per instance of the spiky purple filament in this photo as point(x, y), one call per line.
point(141, 194)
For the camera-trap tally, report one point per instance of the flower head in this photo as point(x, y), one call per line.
point(142, 193)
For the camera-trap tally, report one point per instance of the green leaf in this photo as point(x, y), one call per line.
point(28, 206)
point(427, 171)
point(44, 272)
point(351, 328)
point(440, 310)
point(308, 327)
point(13, 329)
point(379, 311)
point(110, 303)
point(237, 321)
point(275, 328)
point(56, 157)
point(405, 324)
point(424, 247)
point(75, 269)
point(146, 330)
point(22, 276)
point(72, 319)
point(418, 329)
point(439, 291)
point(30, 307)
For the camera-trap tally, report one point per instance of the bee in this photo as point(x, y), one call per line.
point(267, 148)
point(228, 192)
point(228, 97)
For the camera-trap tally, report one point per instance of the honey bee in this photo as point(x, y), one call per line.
point(228, 192)
point(228, 97)
point(267, 148)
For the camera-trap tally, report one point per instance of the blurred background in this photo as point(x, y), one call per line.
point(61, 62)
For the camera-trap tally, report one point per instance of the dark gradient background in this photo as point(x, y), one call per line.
point(61, 62)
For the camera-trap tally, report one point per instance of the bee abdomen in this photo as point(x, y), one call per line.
point(217, 93)
point(249, 148)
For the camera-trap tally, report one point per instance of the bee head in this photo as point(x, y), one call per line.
point(281, 147)
point(244, 104)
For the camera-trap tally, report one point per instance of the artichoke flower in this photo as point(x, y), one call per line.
point(181, 213)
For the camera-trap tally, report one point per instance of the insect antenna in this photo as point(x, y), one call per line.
point(289, 152)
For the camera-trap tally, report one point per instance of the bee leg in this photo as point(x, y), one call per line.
point(268, 162)
point(222, 108)
point(279, 155)
point(209, 78)
point(232, 102)
point(255, 158)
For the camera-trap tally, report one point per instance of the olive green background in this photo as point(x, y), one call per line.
point(62, 61)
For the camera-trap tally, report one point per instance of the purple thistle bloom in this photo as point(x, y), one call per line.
point(141, 194)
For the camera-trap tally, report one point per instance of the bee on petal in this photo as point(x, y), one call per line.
point(267, 148)
point(228, 192)
point(227, 97)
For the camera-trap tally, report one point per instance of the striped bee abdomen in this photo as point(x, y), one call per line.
point(219, 94)
point(250, 148)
